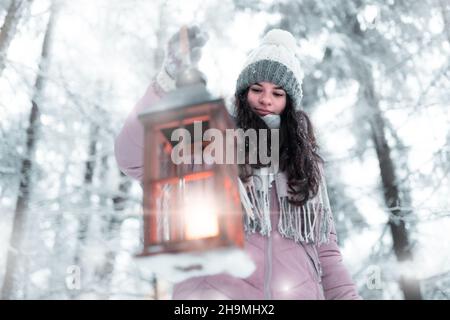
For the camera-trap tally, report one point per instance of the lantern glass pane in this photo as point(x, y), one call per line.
point(186, 209)
point(191, 204)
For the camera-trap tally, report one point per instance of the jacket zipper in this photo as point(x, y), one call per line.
point(318, 268)
point(268, 269)
point(268, 251)
point(319, 265)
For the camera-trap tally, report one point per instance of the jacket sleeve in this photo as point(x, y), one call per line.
point(129, 144)
point(336, 280)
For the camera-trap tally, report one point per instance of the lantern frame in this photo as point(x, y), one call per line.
point(181, 108)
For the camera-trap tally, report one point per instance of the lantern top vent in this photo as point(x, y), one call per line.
point(191, 90)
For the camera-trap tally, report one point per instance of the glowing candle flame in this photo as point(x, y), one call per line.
point(201, 218)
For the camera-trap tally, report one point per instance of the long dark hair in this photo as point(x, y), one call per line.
point(299, 157)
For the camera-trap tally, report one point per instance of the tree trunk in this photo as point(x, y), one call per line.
point(84, 216)
point(392, 197)
point(15, 243)
point(8, 30)
point(58, 268)
point(402, 249)
point(111, 233)
point(445, 12)
point(83, 221)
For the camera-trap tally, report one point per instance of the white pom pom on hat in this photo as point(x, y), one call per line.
point(280, 37)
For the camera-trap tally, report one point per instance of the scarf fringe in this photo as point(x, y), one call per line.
point(310, 223)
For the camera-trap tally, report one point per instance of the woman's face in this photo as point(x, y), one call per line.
point(266, 98)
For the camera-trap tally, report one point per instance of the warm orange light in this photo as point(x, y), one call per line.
point(200, 216)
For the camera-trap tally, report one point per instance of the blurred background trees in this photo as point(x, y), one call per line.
point(376, 86)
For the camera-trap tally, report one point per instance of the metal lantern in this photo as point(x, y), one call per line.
point(188, 206)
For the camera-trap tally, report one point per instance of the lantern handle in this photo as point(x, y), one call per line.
point(184, 45)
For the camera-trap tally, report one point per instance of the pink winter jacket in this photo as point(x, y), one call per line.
point(284, 269)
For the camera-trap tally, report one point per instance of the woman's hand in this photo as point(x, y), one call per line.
point(176, 60)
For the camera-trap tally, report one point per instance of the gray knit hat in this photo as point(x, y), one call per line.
point(276, 61)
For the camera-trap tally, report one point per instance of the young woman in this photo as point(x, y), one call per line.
point(290, 232)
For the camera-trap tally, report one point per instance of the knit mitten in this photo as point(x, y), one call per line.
point(175, 61)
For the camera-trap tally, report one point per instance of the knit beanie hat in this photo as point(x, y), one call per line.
point(275, 61)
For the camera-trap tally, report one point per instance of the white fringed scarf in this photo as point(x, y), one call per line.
point(310, 223)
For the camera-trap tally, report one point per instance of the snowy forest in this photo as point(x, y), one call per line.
point(377, 88)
